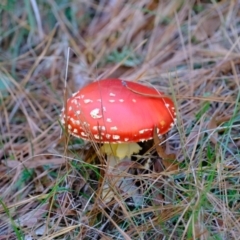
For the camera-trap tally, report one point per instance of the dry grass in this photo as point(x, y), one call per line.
point(50, 187)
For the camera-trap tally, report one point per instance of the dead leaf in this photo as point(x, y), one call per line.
point(200, 231)
point(33, 217)
point(118, 182)
point(212, 126)
point(178, 57)
point(118, 72)
point(221, 120)
point(127, 188)
point(167, 159)
point(207, 26)
point(34, 163)
point(157, 196)
point(105, 237)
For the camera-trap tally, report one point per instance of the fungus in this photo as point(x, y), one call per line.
point(118, 114)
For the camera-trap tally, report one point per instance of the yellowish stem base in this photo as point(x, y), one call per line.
point(121, 150)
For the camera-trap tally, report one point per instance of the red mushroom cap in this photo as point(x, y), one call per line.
point(114, 111)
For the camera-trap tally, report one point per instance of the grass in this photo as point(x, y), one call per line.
point(51, 184)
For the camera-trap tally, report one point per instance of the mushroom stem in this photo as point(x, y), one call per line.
point(116, 153)
point(121, 150)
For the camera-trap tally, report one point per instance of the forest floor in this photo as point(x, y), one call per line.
point(51, 184)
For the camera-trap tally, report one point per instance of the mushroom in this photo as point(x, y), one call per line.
point(118, 114)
